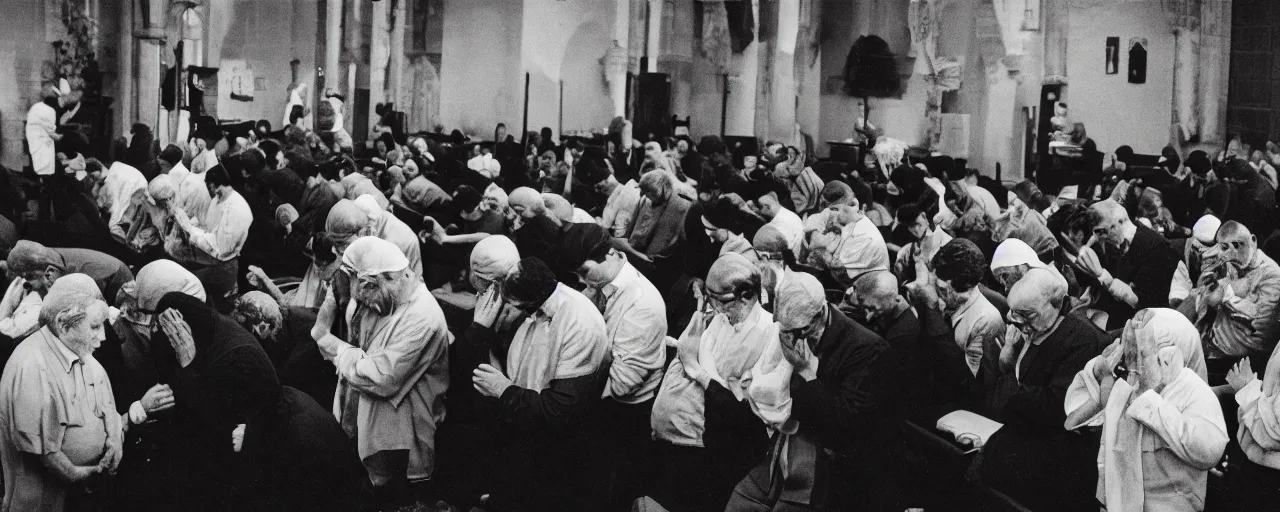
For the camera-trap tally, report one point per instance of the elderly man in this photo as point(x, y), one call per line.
point(1033, 458)
point(383, 224)
point(1234, 306)
point(1163, 405)
point(548, 393)
point(1192, 259)
point(636, 323)
point(210, 246)
point(61, 429)
point(37, 267)
point(838, 387)
point(188, 188)
point(393, 367)
point(878, 305)
point(285, 334)
point(659, 226)
point(1135, 264)
point(708, 437)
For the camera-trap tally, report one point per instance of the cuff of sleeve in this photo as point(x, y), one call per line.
point(1144, 406)
point(137, 415)
point(1249, 393)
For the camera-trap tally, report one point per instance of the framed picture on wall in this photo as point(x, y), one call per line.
point(1138, 60)
point(1113, 55)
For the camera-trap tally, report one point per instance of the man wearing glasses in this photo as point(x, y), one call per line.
point(1134, 266)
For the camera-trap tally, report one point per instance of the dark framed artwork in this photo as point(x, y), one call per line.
point(1138, 60)
point(1113, 55)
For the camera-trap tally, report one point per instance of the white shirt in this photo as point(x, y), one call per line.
point(635, 318)
point(791, 227)
point(984, 199)
point(19, 311)
point(620, 210)
point(204, 161)
point(226, 226)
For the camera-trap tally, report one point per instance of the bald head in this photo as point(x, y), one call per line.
point(527, 202)
point(1109, 210)
point(1238, 246)
point(878, 285)
point(800, 299)
point(1111, 223)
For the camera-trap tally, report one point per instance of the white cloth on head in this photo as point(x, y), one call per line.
point(163, 276)
point(493, 257)
point(1206, 229)
point(485, 164)
point(371, 255)
point(1013, 252)
point(370, 205)
point(118, 185)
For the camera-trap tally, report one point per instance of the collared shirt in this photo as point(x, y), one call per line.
point(52, 401)
point(564, 338)
point(222, 232)
point(635, 318)
point(620, 210)
point(976, 323)
point(791, 227)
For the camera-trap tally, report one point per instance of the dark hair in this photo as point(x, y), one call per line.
point(217, 176)
point(532, 281)
point(331, 169)
point(263, 126)
point(576, 145)
point(908, 213)
point(252, 161)
point(301, 163)
point(724, 214)
point(92, 165)
point(467, 198)
point(171, 154)
point(388, 140)
point(960, 262)
point(271, 148)
point(294, 136)
point(295, 113)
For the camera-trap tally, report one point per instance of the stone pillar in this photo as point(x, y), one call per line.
point(379, 57)
point(655, 35)
point(743, 77)
point(333, 45)
point(1055, 40)
point(676, 59)
point(150, 37)
point(395, 74)
point(767, 39)
point(615, 60)
point(782, 100)
point(1215, 54)
point(124, 70)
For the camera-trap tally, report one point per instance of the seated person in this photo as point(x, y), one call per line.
point(1234, 305)
point(1192, 258)
point(659, 226)
point(850, 246)
point(726, 224)
point(1134, 264)
point(1033, 458)
point(927, 238)
point(876, 303)
point(956, 313)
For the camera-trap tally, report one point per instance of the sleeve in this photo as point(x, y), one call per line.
point(224, 241)
point(1084, 398)
point(24, 320)
point(1258, 309)
point(40, 424)
point(12, 297)
point(847, 405)
point(1196, 433)
point(987, 331)
point(382, 373)
point(637, 350)
point(1042, 407)
point(732, 434)
point(555, 408)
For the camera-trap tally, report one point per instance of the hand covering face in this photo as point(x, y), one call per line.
point(164, 276)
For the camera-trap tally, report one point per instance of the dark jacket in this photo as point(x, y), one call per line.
point(1147, 266)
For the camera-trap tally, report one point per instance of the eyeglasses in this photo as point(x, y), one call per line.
point(1103, 229)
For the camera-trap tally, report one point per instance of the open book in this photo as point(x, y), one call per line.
point(971, 429)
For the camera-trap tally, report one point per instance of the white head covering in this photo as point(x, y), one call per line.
point(485, 164)
point(370, 206)
point(372, 255)
point(1013, 252)
point(1069, 193)
point(493, 257)
point(119, 185)
point(163, 276)
point(1206, 229)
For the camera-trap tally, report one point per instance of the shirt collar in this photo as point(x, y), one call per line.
point(625, 277)
point(66, 358)
point(960, 311)
point(552, 305)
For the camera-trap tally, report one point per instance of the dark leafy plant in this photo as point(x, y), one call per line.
point(870, 71)
point(74, 57)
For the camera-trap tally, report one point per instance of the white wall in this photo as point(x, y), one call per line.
point(565, 40)
point(1114, 111)
point(242, 30)
point(480, 70)
point(22, 53)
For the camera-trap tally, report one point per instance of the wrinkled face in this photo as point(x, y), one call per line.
point(918, 227)
point(1032, 316)
point(87, 335)
point(1110, 232)
point(1238, 249)
point(871, 308)
point(1008, 276)
point(796, 330)
point(749, 162)
point(377, 292)
point(722, 300)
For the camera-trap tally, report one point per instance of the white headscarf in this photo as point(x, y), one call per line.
point(163, 276)
point(121, 182)
point(371, 255)
point(1013, 252)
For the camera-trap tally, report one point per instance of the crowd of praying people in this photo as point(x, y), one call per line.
point(289, 320)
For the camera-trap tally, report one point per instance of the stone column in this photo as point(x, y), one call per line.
point(379, 57)
point(1215, 53)
point(744, 71)
point(124, 70)
point(333, 45)
point(1055, 40)
point(395, 74)
point(615, 60)
point(655, 35)
point(767, 39)
point(150, 38)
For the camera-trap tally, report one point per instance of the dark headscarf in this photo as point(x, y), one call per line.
point(1172, 162)
point(579, 241)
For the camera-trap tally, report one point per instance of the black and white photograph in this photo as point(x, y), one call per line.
point(639, 255)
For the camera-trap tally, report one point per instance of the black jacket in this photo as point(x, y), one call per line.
point(1147, 266)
